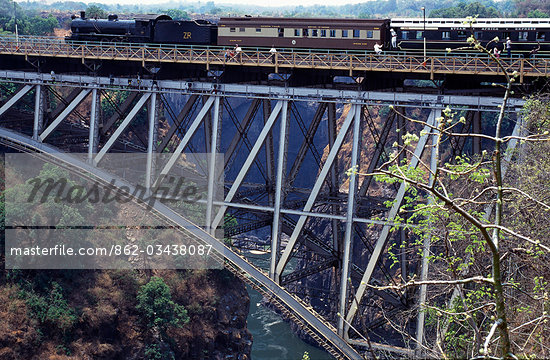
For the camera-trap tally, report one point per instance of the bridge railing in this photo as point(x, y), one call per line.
point(434, 63)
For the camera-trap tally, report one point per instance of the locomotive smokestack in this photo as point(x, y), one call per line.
point(83, 15)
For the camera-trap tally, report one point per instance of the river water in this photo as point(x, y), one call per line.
point(272, 337)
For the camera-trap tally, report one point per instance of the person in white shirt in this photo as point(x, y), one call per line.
point(378, 49)
point(393, 39)
point(273, 51)
point(509, 47)
point(238, 52)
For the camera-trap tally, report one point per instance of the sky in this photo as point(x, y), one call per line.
point(263, 3)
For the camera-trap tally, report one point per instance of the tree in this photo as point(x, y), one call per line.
point(177, 14)
point(464, 10)
point(525, 7)
point(157, 307)
point(470, 232)
point(43, 26)
point(537, 13)
point(95, 12)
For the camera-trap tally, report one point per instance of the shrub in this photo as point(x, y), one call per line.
point(157, 307)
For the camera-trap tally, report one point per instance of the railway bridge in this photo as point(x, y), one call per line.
point(255, 64)
point(285, 150)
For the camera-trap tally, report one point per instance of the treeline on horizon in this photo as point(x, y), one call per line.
point(367, 9)
point(38, 18)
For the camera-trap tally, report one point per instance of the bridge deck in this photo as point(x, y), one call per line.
point(462, 64)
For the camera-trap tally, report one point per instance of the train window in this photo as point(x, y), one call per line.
point(462, 34)
point(281, 32)
point(258, 30)
point(344, 33)
point(419, 35)
point(231, 29)
point(323, 33)
point(404, 35)
point(305, 32)
point(356, 33)
point(505, 34)
point(296, 32)
point(332, 33)
point(523, 35)
point(541, 35)
point(242, 29)
point(478, 35)
point(369, 34)
point(446, 35)
point(314, 32)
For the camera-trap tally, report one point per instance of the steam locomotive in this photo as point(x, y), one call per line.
point(329, 34)
point(159, 29)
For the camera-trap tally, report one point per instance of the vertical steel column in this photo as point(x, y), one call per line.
point(94, 126)
point(38, 112)
point(401, 126)
point(212, 164)
point(151, 139)
point(427, 241)
point(207, 127)
point(281, 170)
point(334, 185)
point(269, 155)
point(348, 237)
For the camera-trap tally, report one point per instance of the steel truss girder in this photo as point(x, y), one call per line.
point(178, 122)
point(64, 101)
point(383, 237)
point(246, 166)
point(114, 137)
point(416, 100)
point(119, 112)
point(70, 107)
point(184, 141)
point(310, 270)
point(234, 260)
point(285, 257)
point(323, 250)
point(242, 130)
point(307, 143)
point(15, 98)
point(378, 151)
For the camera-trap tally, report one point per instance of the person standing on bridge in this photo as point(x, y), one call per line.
point(393, 39)
point(509, 47)
point(238, 52)
point(273, 53)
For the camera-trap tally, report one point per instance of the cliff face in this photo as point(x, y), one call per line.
point(93, 315)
